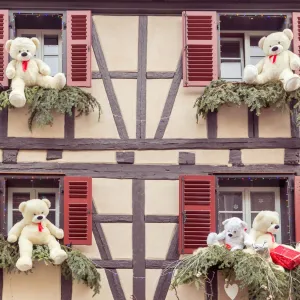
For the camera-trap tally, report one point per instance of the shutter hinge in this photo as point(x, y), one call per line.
point(184, 217)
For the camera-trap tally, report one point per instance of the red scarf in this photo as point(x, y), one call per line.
point(40, 227)
point(25, 65)
point(273, 58)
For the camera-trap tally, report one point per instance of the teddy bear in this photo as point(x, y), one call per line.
point(35, 229)
point(234, 235)
point(25, 70)
point(278, 64)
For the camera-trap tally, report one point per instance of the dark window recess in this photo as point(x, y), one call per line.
point(37, 21)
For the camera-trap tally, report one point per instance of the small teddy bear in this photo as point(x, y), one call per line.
point(234, 236)
point(278, 64)
point(25, 70)
point(35, 229)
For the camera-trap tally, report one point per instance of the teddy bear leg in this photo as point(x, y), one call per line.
point(17, 95)
point(57, 82)
point(291, 81)
point(24, 263)
point(56, 253)
point(250, 74)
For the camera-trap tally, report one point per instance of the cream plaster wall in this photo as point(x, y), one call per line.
point(88, 126)
point(164, 43)
point(19, 286)
point(274, 123)
point(18, 125)
point(262, 156)
point(119, 239)
point(158, 239)
point(112, 196)
point(182, 123)
point(161, 197)
point(232, 122)
point(212, 157)
point(32, 156)
point(156, 157)
point(100, 157)
point(91, 251)
point(119, 40)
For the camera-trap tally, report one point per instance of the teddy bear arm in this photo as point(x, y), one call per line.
point(260, 65)
point(221, 236)
point(43, 67)
point(15, 231)
point(248, 240)
point(11, 69)
point(55, 231)
point(294, 61)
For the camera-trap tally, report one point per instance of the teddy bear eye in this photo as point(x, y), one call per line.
point(27, 50)
point(278, 42)
point(42, 213)
point(234, 232)
point(34, 214)
point(19, 51)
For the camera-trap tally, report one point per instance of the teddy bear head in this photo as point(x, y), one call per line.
point(22, 48)
point(234, 227)
point(276, 42)
point(35, 210)
point(266, 222)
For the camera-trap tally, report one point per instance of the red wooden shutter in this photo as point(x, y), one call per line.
point(297, 207)
point(197, 215)
point(79, 48)
point(78, 210)
point(4, 29)
point(200, 55)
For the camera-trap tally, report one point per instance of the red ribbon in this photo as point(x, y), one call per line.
point(228, 246)
point(40, 227)
point(272, 235)
point(273, 58)
point(25, 65)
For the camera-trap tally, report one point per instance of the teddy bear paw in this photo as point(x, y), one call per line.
point(17, 99)
point(12, 238)
point(10, 73)
point(24, 263)
point(292, 84)
point(60, 81)
point(59, 234)
point(58, 256)
point(250, 74)
point(45, 70)
point(295, 65)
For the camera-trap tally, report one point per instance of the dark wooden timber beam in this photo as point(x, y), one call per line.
point(147, 144)
point(129, 218)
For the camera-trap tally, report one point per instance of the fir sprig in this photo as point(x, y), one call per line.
point(43, 102)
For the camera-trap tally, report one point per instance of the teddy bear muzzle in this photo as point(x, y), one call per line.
point(38, 218)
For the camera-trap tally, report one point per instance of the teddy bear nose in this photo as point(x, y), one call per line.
point(40, 217)
point(24, 54)
point(229, 234)
point(277, 226)
point(275, 48)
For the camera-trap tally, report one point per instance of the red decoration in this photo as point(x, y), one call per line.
point(25, 65)
point(285, 257)
point(40, 227)
point(273, 58)
point(227, 246)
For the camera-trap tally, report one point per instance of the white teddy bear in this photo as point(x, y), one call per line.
point(234, 236)
point(278, 64)
point(35, 229)
point(26, 70)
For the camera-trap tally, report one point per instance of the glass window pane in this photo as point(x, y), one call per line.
point(50, 196)
point(231, 69)
point(51, 217)
point(231, 201)
point(17, 216)
point(223, 216)
point(254, 49)
point(230, 49)
point(28, 35)
point(18, 198)
point(53, 63)
point(262, 201)
point(50, 45)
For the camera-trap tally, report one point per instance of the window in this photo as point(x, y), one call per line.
point(18, 195)
point(246, 203)
point(50, 50)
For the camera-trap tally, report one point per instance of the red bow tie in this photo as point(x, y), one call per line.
point(40, 226)
point(273, 58)
point(25, 65)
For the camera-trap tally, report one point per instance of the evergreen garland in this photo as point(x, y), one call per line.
point(252, 271)
point(255, 96)
point(77, 266)
point(43, 102)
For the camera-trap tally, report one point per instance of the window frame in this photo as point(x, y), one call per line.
point(247, 200)
point(40, 34)
point(33, 195)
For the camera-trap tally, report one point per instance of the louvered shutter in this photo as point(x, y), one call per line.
point(297, 207)
point(296, 31)
point(197, 215)
point(200, 53)
point(3, 38)
point(78, 210)
point(79, 48)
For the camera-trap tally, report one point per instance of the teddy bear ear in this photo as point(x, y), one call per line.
point(261, 42)
point(225, 222)
point(244, 224)
point(22, 206)
point(8, 44)
point(36, 41)
point(48, 203)
point(288, 33)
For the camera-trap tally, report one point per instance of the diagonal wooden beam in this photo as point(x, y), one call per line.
point(111, 95)
point(112, 274)
point(65, 289)
point(164, 120)
point(138, 240)
point(165, 277)
point(141, 79)
point(1, 284)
